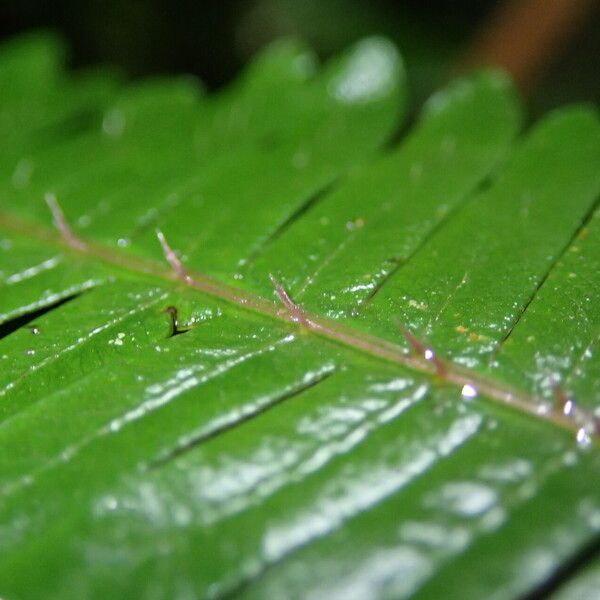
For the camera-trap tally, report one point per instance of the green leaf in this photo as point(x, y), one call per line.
point(357, 366)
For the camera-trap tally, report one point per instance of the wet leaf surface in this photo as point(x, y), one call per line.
point(411, 409)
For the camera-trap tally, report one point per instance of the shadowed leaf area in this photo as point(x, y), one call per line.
point(388, 385)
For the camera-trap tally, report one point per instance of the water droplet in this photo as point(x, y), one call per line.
point(30, 352)
point(568, 408)
point(123, 242)
point(469, 391)
point(429, 354)
point(583, 437)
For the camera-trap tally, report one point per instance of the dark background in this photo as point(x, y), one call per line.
point(213, 39)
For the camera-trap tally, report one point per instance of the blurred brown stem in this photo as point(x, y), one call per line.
point(523, 37)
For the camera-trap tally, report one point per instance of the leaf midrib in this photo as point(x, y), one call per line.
point(445, 371)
